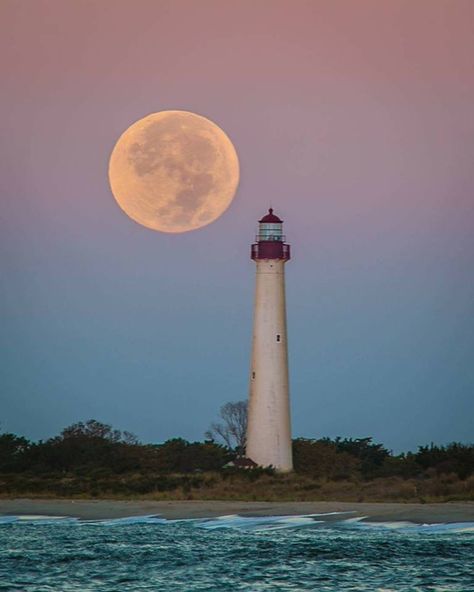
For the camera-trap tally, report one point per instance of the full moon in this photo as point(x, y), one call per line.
point(174, 171)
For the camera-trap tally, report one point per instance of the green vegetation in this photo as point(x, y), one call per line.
point(94, 460)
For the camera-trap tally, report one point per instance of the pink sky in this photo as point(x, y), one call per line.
point(354, 119)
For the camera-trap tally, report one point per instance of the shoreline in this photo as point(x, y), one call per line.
point(108, 509)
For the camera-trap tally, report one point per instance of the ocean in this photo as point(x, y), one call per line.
point(330, 552)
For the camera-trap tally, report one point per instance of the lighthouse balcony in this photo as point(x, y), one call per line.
point(270, 249)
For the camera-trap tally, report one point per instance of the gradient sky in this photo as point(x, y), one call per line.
point(353, 119)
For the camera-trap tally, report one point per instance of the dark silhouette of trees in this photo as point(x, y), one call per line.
point(454, 458)
point(12, 452)
point(84, 446)
point(233, 428)
point(92, 458)
point(321, 459)
point(371, 456)
point(342, 458)
point(94, 429)
point(179, 456)
point(89, 447)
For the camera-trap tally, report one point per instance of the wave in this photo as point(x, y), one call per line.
point(406, 526)
point(258, 522)
point(253, 523)
point(37, 519)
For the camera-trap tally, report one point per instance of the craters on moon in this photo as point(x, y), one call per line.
point(174, 171)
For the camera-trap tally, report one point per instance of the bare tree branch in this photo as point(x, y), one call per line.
point(233, 429)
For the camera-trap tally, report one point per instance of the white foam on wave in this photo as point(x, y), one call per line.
point(394, 525)
point(8, 519)
point(265, 522)
point(36, 519)
point(407, 526)
point(253, 523)
point(354, 520)
point(128, 520)
point(41, 517)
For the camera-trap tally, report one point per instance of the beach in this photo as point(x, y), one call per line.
point(102, 509)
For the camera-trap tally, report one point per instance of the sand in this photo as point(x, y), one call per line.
point(100, 509)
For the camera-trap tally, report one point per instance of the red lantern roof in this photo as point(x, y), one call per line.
point(271, 218)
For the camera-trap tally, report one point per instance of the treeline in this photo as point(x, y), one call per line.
point(348, 457)
point(94, 446)
point(94, 459)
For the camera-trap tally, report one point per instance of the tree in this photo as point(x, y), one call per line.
point(454, 458)
point(180, 456)
point(12, 451)
point(321, 459)
point(85, 446)
point(94, 429)
point(233, 428)
point(371, 455)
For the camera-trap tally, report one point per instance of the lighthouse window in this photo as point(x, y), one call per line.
point(278, 337)
point(253, 374)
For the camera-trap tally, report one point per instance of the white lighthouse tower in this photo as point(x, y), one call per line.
point(269, 426)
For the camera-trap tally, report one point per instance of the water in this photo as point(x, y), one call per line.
point(318, 553)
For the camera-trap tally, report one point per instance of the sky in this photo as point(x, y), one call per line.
point(354, 120)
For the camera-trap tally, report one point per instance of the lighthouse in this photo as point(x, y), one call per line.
point(269, 426)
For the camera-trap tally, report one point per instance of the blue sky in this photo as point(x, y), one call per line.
point(355, 125)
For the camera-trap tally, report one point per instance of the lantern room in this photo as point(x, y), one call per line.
point(270, 241)
point(270, 227)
